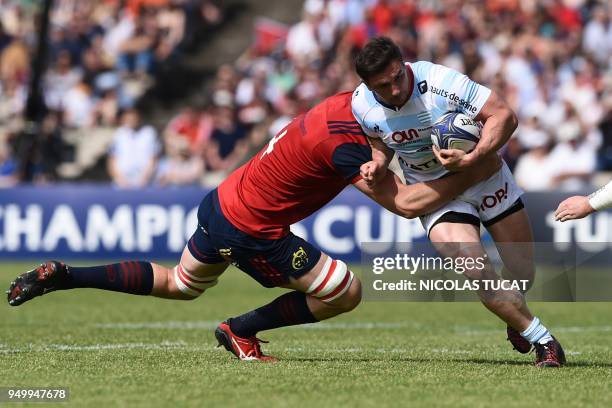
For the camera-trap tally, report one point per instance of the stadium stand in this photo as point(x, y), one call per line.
point(551, 60)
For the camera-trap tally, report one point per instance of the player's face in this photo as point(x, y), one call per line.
point(392, 84)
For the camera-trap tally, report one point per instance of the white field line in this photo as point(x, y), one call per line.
point(209, 324)
point(180, 345)
point(204, 324)
point(166, 345)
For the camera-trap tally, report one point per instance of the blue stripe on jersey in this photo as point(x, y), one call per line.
point(473, 91)
point(404, 122)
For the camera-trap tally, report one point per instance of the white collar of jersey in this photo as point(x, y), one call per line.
point(385, 104)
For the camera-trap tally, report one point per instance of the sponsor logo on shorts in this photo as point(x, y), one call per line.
point(491, 201)
point(300, 259)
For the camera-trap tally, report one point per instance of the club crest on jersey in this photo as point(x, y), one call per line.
point(300, 259)
point(422, 87)
point(225, 252)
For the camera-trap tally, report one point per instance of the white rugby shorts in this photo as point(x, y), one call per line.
point(488, 201)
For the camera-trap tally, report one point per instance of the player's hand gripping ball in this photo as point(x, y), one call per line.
point(455, 130)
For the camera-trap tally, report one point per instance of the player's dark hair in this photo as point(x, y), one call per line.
point(376, 56)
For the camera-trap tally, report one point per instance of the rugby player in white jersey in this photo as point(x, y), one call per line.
point(396, 105)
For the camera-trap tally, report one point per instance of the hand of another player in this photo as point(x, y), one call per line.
point(453, 159)
point(372, 172)
point(573, 208)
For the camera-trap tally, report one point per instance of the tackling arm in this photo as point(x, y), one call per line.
point(380, 152)
point(375, 170)
point(421, 198)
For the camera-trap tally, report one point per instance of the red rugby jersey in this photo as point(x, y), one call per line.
point(301, 169)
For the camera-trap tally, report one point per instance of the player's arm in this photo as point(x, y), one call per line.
point(406, 200)
point(580, 206)
point(421, 198)
point(374, 171)
point(499, 124)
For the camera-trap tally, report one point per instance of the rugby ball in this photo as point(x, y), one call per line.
point(454, 130)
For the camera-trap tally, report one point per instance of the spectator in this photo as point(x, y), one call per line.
point(93, 66)
point(14, 61)
point(193, 127)
point(180, 166)
point(228, 143)
point(171, 23)
point(310, 38)
point(597, 35)
point(82, 82)
point(606, 129)
point(60, 79)
point(127, 169)
point(107, 109)
point(537, 157)
point(12, 100)
point(78, 106)
point(137, 52)
point(574, 158)
point(8, 165)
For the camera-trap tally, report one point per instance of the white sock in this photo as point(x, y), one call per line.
point(536, 333)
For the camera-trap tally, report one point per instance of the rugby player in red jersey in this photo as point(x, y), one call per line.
point(245, 222)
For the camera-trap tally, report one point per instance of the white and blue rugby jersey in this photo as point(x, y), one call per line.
point(436, 90)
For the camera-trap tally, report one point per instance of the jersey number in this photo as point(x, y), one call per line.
point(272, 142)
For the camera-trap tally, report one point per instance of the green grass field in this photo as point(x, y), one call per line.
point(118, 350)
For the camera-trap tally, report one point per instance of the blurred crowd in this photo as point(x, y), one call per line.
point(102, 58)
point(550, 59)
